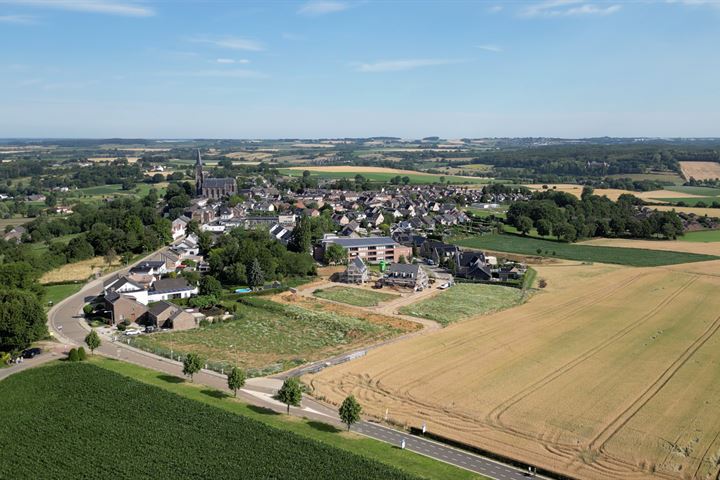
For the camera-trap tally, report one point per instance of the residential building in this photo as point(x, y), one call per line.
point(356, 271)
point(167, 315)
point(371, 249)
point(406, 275)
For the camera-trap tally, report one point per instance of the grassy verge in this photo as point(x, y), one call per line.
point(529, 278)
point(354, 296)
point(59, 292)
point(636, 257)
point(465, 300)
point(407, 461)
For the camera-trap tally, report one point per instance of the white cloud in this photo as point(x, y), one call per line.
point(696, 3)
point(230, 61)
point(495, 9)
point(322, 7)
point(17, 19)
point(568, 8)
point(108, 7)
point(233, 73)
point(490, 48)
point(401, 65)
point(232, 43)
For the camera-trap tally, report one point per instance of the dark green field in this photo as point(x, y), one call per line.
point(635, 257)
point(383, 177)
point(70, 420)
point(690, 201)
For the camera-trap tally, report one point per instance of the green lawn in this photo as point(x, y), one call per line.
point(56, 293)
point(354, 296)
point(465, 300)
point(691, 201)
point(109, 419)
point(585, 253)
point(382, 177)
point(702, 236)
point(268, 337)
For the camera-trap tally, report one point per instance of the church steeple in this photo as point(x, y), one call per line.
point(199, 176)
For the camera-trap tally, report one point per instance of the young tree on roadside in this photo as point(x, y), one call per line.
point(236, 380)
point(93, 341)
point(192, 365)
point(350, 411)
point(290, 393)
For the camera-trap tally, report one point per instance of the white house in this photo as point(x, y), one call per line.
point(179, 227)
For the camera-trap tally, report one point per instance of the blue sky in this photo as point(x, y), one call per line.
point(270, 69)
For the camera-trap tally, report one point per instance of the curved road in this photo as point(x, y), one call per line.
point(66, 322)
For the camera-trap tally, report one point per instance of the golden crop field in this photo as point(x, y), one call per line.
point(355, 168)
point(81, 270)
point(610, 372)
point(700, 170)
point(613, 193)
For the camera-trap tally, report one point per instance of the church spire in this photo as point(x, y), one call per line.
point(199, 177)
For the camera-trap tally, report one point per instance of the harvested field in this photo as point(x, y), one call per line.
point(360, 297)
point(251, 156)
point(612, 193)
point(700, 170)
point(463, 301)
point(709, 248)
point(576, 379)
point(355, 169)
point(76, 271)
point(710, 212)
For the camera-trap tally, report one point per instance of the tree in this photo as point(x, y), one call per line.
point(82, 355)
point(192, 365)
point(110, 256)
point(335, 254)
point(301, 238)
point(210, 285)
point(236, 379)
point(350, 411)
point(88, 309)
point(290, 393)
point(205, 241)
point(544, 227)
point(524, 224)
point(93, 341)
point(256, 276)
point(73, 355)
point(22, 320)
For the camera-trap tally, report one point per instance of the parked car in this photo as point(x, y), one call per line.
point(31, 352)
point(150, 329)
point(443, 286)
point(430, 261)
point(132, 332)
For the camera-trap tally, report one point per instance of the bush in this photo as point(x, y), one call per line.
point(82, 355)
point(121, 327)
point(88, 309)
point(73, 355)
point(204, 322)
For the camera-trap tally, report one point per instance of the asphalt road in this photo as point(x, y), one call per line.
point(66, 323)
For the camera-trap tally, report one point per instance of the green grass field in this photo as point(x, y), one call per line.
point(669, 177)
point(15, 221)
point(359, 297)
point(56, 293)
point(704, 191)
point(269, 337)
point(415, 178)
point(691, 201)
point(585, 253)
point(464, 300)
point(84, 420)
point(702, 236)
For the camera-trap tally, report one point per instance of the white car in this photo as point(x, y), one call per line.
point(443, 286)
point(132, 332)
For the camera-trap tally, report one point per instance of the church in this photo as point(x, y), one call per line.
point(213, 188)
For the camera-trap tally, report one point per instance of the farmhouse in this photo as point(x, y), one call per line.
point(371, 249)
point(356, 271)
point(406, 275)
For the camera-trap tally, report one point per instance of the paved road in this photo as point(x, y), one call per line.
point(67, 325)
